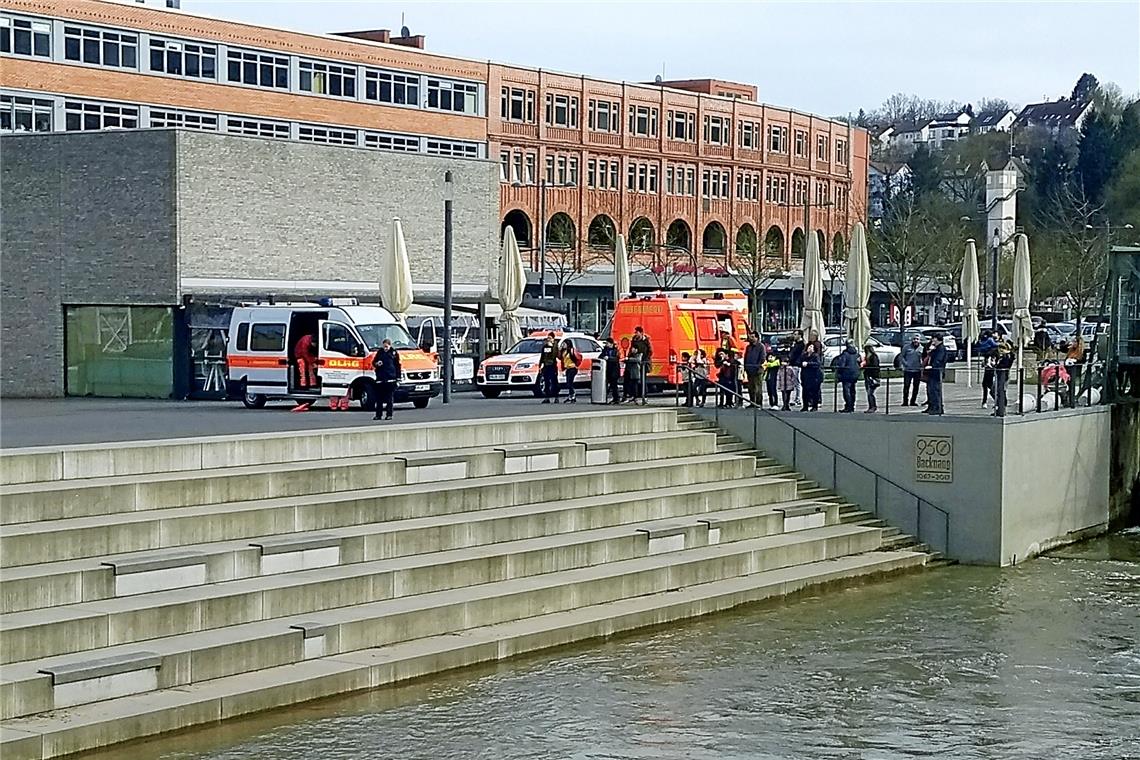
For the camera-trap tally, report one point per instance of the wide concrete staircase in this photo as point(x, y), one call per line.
point(153, 586)
point(807, 489)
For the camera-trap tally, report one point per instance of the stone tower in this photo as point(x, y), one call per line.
point(1001, 205)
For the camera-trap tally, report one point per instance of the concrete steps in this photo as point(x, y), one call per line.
point(154, 587)
point(893, 538)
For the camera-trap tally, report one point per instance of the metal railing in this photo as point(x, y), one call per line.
point(836, 456)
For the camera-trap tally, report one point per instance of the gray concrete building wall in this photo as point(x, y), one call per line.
point(274, 209)
point(85, 218)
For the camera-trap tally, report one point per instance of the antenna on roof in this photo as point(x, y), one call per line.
point(404, 30)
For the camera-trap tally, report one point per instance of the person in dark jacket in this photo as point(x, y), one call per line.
point(613, 370)
point(847, 372)
point(936, 365)
point(910, 362)
point(796, 362)
point(771, 373)
point(386, 365)
point(987, 352)
point(812, 377)
point(871, 376)
point(548, 369)
point(1003, 362)
point(754, 356)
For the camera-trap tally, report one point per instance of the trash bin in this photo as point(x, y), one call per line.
point(598, 382)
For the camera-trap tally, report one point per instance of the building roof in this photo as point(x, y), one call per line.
point(1056, 113)
point(889, 167)
point(992, 118)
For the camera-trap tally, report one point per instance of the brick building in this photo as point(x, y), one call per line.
point(689, 170)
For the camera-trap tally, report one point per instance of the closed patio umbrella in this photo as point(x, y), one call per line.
point(512, 282)
point(1022, 295)
point(621, 269)
point(970, 294)
point(396, 274)
point(857, 288)
point(812, 318)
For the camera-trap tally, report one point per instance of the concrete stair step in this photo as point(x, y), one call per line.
point(109, 495)
point(72, 581)
point(44, 464)
point(72, 538)
point(203, 655)
point(105, 723)
point(39, 633)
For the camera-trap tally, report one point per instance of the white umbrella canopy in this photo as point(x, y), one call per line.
point(396, 274)
point(1022, 293)
point(857, 288)
point(621, 269)
point(812, 318)
point(970, 294)
point(512, 282)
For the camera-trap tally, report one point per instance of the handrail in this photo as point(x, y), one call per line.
point(836, 455)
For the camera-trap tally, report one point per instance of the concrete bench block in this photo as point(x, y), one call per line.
point(668, 539)
point(288, 554)
point(535, 457)
point(157, 572)
point(315, 635)
point(99, 679)
point(804, 517)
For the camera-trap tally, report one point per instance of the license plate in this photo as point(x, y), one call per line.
point(497, 375)
point(423, 387)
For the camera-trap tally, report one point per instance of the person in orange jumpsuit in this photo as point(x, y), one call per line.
point(305, 352)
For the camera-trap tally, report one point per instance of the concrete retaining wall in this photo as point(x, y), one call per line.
point(1011, 490)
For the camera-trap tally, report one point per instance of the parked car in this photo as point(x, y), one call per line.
point(518, 368)
point(833, 345)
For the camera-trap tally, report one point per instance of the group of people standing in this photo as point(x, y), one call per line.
point(553, 356)
point(791, 374)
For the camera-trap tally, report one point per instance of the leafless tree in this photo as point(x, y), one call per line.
point(1071, 256)
point(755, 269)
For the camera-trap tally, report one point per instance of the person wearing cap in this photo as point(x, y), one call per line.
point(871, 376)
point(847, 372)
point(937, 365)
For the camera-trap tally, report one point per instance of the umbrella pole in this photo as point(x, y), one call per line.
point(969, 373)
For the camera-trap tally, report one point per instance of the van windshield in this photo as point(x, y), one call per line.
point(374, 335)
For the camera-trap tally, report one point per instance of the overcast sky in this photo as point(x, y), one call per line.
point(824, 57)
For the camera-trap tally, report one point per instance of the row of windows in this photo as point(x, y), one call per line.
point(561, 169)
point(714, 183)
point(517, 167)
point(748, 186)
point(20, 113)
point(641, 177)
point(195, 60)
point(602, 173)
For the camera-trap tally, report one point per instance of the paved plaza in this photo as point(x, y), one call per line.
point(40, 422)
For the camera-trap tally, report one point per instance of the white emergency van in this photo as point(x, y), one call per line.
point(262, 363)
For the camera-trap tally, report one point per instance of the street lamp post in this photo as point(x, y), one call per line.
point(447, 266)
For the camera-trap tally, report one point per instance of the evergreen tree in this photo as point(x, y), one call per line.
point(925, 172)
point(1096, 161)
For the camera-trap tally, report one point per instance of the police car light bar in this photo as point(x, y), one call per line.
point(338, 302)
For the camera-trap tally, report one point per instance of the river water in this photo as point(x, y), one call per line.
point(1037, 661)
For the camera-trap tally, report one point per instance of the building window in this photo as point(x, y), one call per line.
point(391, 87)
point(530, 162)
point(653, 178)
point(841, 152)
point(20, 114)
point(257, 128)
point(749, 134)
point(606, 177)
point(100, 47)
point(682, 179)
point(821, 147)
point(326, 135)
point(267, 338)
point(562, 110)
point(801, 143)
point(23, 37)
point(717, 130)
point(643, 121)
point(460, 97)
point(841, 198)
point(681, 126)
point(453, 148)
point(396, 143)
point(207, 122)
point(82, 117)
point(327, 79)
point(604, 116)
point(642, 177)
point(504, 165)
point(261, 69)
point(517, 105)
point(747, 186)
point(822, 194)
point(187, 59)
point(777, 138)
point(715, 183)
